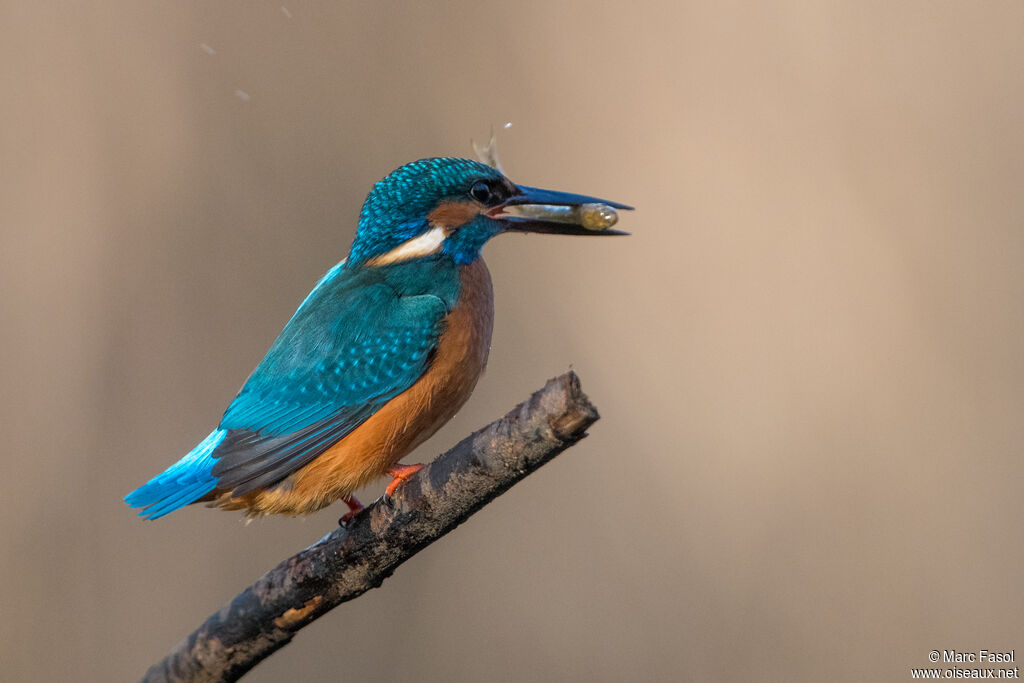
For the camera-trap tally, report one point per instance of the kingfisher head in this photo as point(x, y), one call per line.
point(453, 206)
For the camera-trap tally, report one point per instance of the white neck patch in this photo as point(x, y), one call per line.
point(426, 244)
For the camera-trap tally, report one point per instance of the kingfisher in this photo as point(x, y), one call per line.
point(382, 352)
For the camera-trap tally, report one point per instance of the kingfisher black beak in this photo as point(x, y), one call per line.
point(559, 213)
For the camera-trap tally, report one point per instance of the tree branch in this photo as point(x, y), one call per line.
point(350, 561)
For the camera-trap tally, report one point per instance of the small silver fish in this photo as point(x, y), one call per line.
point(590, 216)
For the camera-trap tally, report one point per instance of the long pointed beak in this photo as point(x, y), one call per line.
point(562, 213)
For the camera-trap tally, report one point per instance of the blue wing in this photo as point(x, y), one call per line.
point(353, 344)
point(325, 375)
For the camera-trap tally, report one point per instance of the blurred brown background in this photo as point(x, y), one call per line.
point(807, 356)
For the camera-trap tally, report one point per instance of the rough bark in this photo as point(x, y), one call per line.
point(350, 561)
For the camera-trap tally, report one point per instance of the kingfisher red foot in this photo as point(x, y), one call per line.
point(400, 474)
point(383, 351)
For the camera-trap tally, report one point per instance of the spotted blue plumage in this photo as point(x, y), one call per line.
point(366, 336)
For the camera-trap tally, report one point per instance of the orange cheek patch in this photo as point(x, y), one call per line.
point(452, 215)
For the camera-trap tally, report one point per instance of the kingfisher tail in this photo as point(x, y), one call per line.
point(184, 482)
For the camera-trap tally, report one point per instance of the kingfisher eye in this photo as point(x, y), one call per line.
point(481, 192)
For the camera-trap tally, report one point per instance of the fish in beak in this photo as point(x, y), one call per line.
point(560, 213)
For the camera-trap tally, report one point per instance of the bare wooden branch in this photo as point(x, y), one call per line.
point(350, 561)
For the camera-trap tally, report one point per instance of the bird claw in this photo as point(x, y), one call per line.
point(354, 508)
point(345, 521)
point(387, 501)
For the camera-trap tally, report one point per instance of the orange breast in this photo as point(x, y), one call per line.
point(402, 423)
